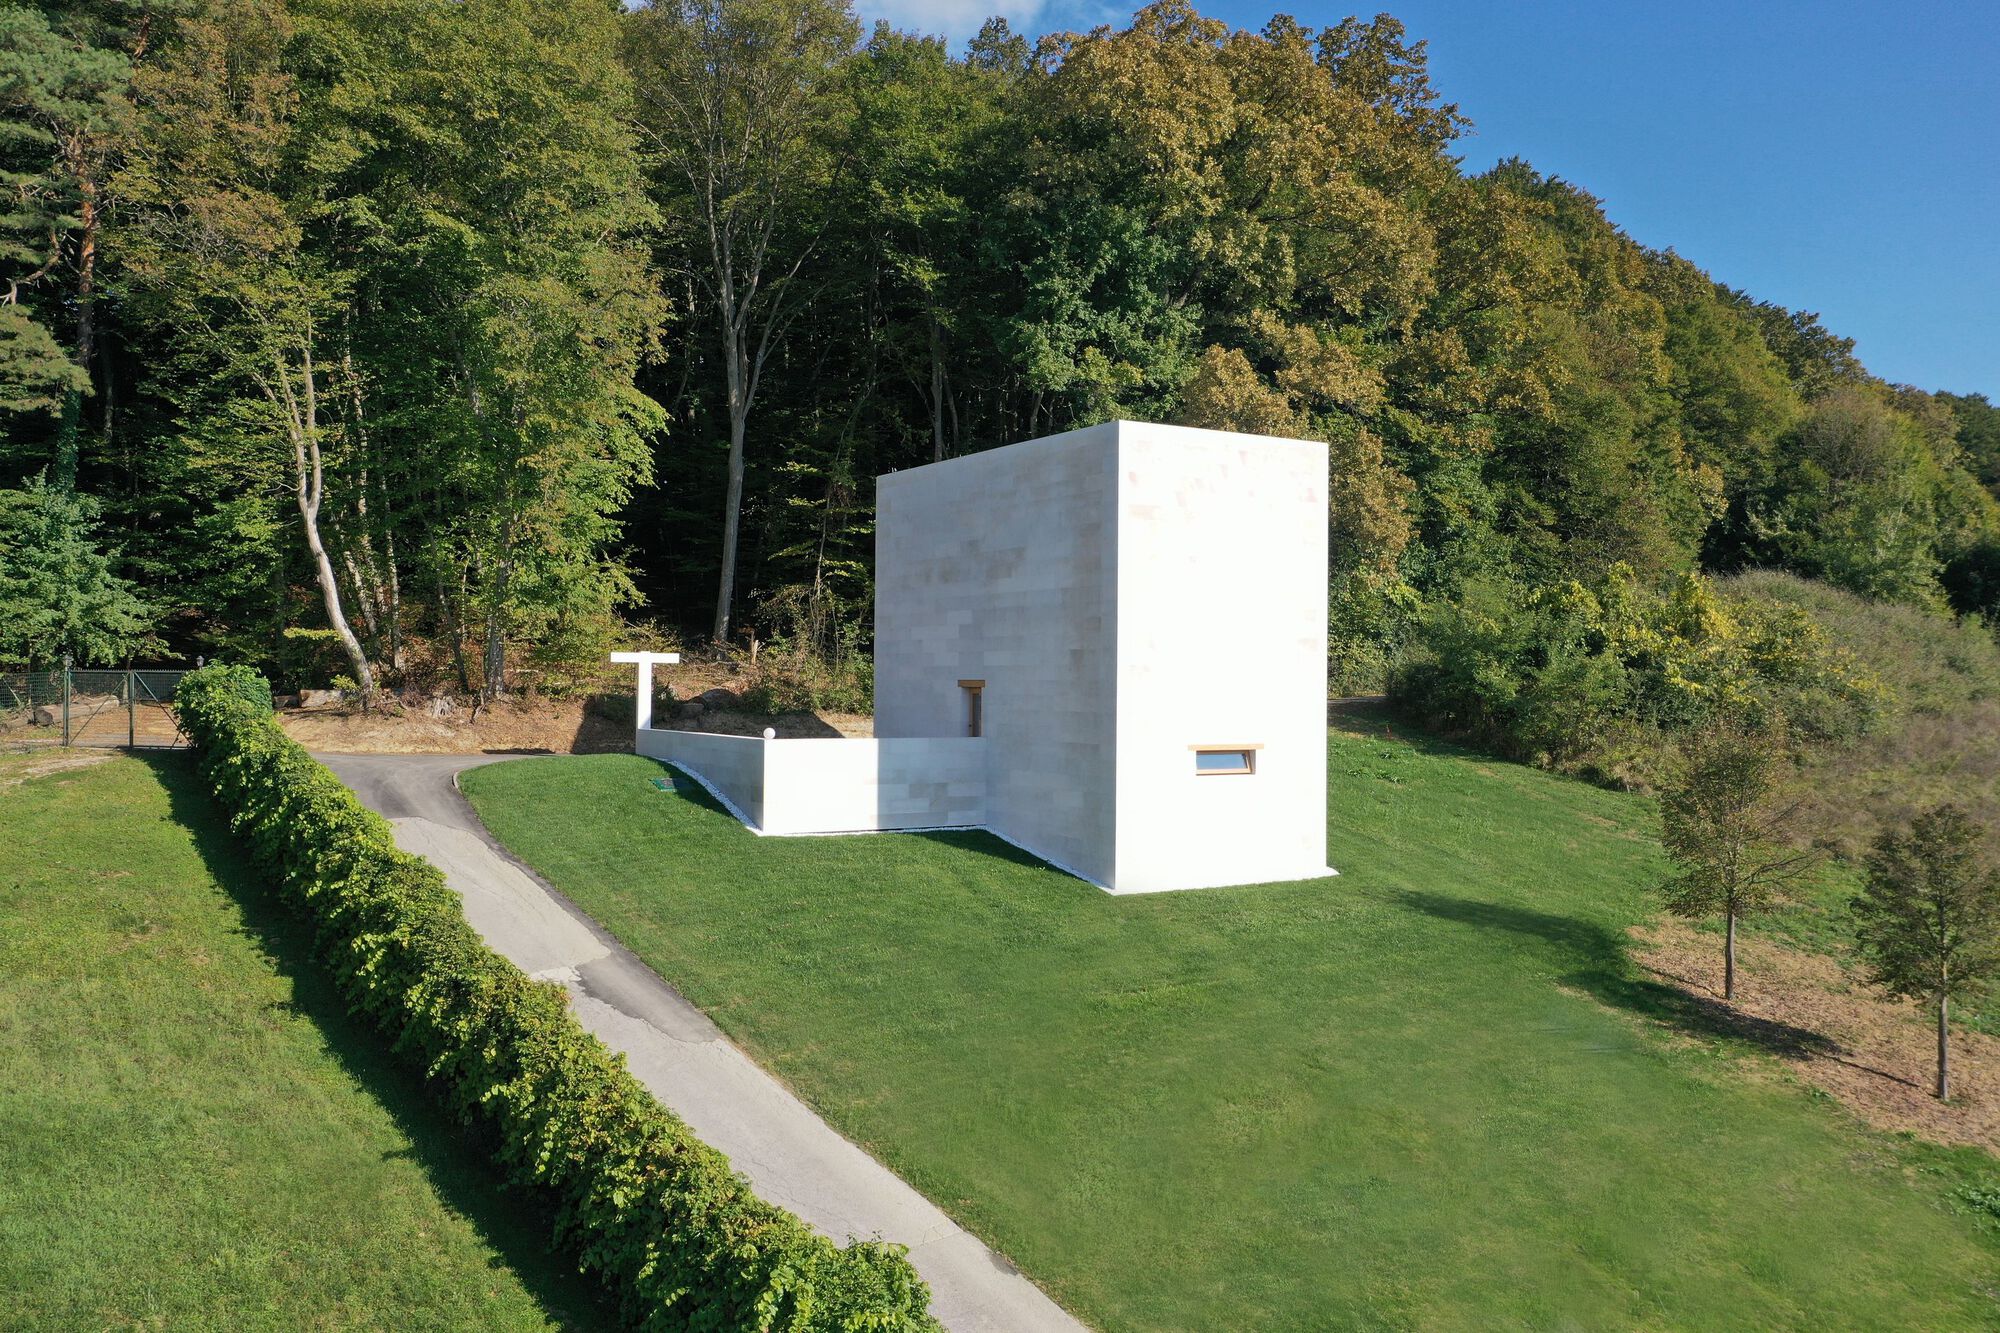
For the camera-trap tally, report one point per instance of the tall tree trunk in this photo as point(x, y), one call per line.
point(370, 585)
point(1729, 958)
point(749, 332)
point(86, 269)
point(355, 580)
point(329, 589)
point(1944, 1049)
point(69, 437)
point(937, 392)
point(396, 655)
point(300, 409)
point(454, 611)
point(732, 510)
point(107, 402)
point(494, 658)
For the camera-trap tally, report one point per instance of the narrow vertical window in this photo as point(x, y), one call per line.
point(975, 706)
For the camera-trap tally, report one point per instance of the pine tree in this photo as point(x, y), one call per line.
point(61, 104)
point(58, 595)
point(1930, 918)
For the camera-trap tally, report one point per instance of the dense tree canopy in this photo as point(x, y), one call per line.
point(422, 340)
point(58, 596)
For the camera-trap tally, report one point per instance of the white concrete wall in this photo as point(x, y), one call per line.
point(1002, 566)
point(829, 785)
point(1222, 569)
point(733, 765)
point(852, 785)
point(1126, 592)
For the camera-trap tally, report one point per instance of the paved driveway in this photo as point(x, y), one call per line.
point(791, 1156)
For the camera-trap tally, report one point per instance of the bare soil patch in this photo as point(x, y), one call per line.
point(568, 726)
point(599, 723)
point(1874, 1054)
point(42, 765)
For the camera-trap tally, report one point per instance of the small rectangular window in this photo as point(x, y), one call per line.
point(975, 706)
point(1216, 760)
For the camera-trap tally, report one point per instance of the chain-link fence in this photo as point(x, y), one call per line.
point(98, 708)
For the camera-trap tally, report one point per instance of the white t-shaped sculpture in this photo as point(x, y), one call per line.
point(643, 698)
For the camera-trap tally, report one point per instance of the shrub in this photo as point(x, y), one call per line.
point(792, 680)
point(1936, 664)
point(1530, 673)
point(243, 682)
point(636, 1197)
point(1370, 618)
point(1600, 679)
point(813, 660)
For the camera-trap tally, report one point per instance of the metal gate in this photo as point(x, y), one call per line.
point(127, 709)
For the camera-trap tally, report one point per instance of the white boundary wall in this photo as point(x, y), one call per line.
point(731, 766)
point(847, 785)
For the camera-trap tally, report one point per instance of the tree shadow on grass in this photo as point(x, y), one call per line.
point(456, 1159)
point(1600, 964)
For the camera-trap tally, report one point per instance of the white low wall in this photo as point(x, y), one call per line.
point(732, 765)
point(854, 785)
point(846, 785)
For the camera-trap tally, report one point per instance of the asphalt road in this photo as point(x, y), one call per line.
point(790, 1156)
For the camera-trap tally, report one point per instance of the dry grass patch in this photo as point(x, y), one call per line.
point(1874, 1054)
point(564, 726)
point(40, 764)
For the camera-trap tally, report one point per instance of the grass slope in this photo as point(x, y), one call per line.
point(191, 1133)
point(1418, 1095)
point(1939, 737)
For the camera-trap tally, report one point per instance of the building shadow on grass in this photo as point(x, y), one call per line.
point(1599, 963)
point(977, 841)
point(457, 1159)
point(982, 843)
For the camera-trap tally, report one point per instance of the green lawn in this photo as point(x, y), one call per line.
point(1430, 1093)
point(192, 1135)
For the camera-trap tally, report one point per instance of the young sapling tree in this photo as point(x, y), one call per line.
point(1930, 917)
point(1728, 823)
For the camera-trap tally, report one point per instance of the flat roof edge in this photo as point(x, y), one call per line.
point(1117, 428)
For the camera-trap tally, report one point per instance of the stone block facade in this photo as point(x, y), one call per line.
point(1106, 646)
point(1124, 597)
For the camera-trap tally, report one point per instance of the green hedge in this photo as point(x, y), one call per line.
point(243, 682)
point(635, 1195)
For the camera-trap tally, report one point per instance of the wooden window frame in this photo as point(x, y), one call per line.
point(1249, 753)
point(975, 707)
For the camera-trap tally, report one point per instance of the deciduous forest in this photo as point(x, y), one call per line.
point(437, 345)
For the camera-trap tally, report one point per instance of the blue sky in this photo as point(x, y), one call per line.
point(1835, 156)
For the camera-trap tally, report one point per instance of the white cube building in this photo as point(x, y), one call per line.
point(1109, 645)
